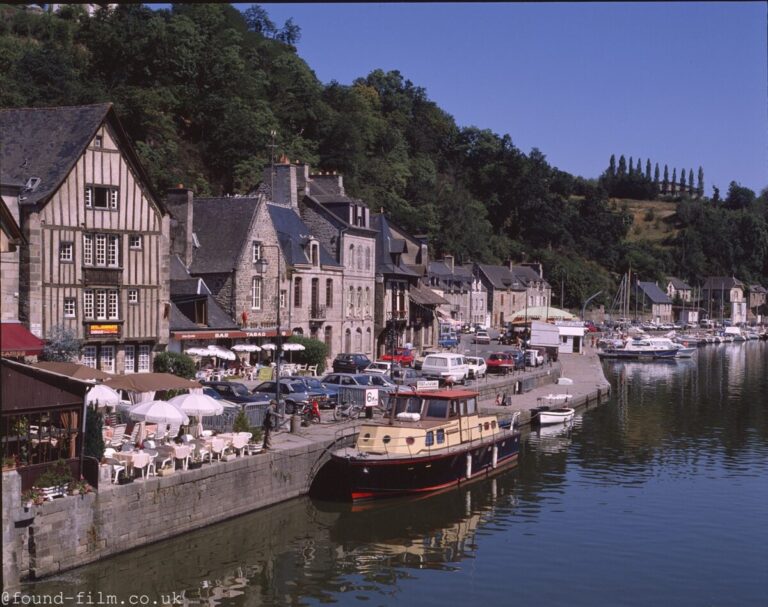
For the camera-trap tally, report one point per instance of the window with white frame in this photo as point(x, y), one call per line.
point(88, 299)
point(101, 250)
point(133, 296)
point(315, 253)
point(101, 197)
point(101, 304)
point(70, 307)
point(88, 357)
point(107, 359)
point(256, 251)
point(135, 241)
point(283, 298)
point(351, 302)
point(256, 293)
point(144, 359)
point(66, 252)
point(368, 300)
point(130, 359)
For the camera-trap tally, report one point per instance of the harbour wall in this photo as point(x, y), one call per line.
point(73, 531)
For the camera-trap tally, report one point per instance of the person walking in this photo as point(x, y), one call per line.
point(268, 424)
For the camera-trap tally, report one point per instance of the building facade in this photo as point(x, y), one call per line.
point(97, 259)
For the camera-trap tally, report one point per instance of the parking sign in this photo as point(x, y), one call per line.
point(371, 397)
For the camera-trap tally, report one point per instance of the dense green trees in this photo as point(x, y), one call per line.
point(205, 90)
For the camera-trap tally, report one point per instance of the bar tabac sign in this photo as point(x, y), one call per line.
point(104, 330)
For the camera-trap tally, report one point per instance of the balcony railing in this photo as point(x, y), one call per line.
point(316, 312)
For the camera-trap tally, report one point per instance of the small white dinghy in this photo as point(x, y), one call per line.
point(554, 411)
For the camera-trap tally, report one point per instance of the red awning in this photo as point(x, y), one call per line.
point(16, 340)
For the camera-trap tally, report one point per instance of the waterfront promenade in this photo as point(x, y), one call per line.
point(76, 530)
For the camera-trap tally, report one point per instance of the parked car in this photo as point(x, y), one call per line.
point(380, 367)
point(419, 360)
point(477, 367)
point(294, 392)
point(533, 358)
point(405, 376)
point(350, 363)
point(233, 391)
point(481, 337)
point(500, 362)
point(445, 367)
point(402, 356)
point(314, 384)
point(448, 340)
point(359, 379)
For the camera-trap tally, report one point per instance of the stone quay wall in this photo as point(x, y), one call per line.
point(75, 530)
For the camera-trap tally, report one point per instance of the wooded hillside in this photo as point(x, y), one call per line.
point(202, 88)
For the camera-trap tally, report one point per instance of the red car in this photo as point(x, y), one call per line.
point(402, 356)
point(500, 362)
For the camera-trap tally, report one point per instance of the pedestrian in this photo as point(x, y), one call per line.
point(268, 424)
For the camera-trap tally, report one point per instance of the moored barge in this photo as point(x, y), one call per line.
point(431, 440)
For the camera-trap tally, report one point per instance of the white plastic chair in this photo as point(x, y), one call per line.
point(117, 468)
point(240, 442)
point(141, 462)
point(217, 447)
point(152, 466)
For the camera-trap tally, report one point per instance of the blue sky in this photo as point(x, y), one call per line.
point(684, 84)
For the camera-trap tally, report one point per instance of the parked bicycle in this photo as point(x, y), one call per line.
point(347, 411)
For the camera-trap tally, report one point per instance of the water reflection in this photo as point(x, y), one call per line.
point(643, 483)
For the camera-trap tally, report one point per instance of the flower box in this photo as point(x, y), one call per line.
point(165, 472)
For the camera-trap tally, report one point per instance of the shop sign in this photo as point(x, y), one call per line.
point(103, 329)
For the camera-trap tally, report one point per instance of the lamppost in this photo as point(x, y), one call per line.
point(262, 266)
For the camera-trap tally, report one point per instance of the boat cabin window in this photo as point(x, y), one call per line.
point(429, 440)
point(436, 408)
point(440, 436)
point(470, 406)
point(411, 404)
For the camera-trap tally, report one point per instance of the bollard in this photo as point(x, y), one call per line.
point(295, 423)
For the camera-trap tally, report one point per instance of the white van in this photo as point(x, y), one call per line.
point(445, 367)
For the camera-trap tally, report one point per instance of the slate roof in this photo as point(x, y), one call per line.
point(293, 234)
point(527, 275)
point(757, 289)
point(385, 246)
point(314, 204)
point(47, 142)
point(221, 226)
point(440, 270)
point(182, 314)
point(717, 283)
point(654, 293)
point(679, 284)
point(501, 278)
point(426, 297)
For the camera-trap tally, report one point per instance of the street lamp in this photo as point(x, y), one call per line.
point(261, 265)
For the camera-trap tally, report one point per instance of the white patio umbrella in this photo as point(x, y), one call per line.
point(158, 412)
point(197, 352)
point(268, 347)
point(197, 405)
point(221, 352)
point(292, 347)
point(102, 395)
point(246, 348)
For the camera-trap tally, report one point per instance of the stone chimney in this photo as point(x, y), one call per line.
point(179, 202)
point(289, 182)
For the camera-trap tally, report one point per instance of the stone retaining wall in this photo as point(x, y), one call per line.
point(72, 531)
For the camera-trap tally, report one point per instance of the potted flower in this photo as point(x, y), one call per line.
point(32, 496)
point(80, 487)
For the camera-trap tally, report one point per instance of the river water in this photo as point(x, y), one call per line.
point(658, 496)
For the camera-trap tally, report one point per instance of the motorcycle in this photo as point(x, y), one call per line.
point(310, 413)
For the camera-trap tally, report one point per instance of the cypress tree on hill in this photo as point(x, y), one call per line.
point(656, 177)
point(690, 182)
point(648, 169)
point(673, 183)
point(665, 183)
point(631, 167)
point(612, 166)
point(622, 166)
point(639, 169)
point(700, 184)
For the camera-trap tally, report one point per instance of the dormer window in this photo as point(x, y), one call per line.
point(314, 251)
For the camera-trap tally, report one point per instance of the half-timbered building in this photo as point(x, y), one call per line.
point(96, 261)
